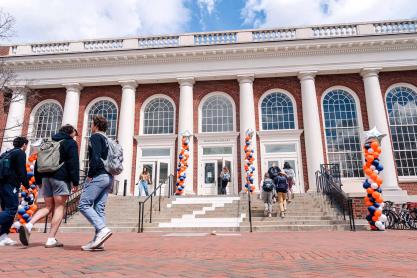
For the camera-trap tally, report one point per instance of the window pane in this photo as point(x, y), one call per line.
point(342, 132)
point(277, 112)
point(279, 148)
point(155, 152)
point(217, 150)
point(159, 117)
point(402, 112)
point(48, 120)
point(217, 114)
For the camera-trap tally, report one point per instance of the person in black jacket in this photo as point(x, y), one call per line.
point(9, 188)
point(97, 186)
point(56, 186)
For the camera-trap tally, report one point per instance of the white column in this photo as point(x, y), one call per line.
point(377, 117)
point(247, 121)
point(15, 117)
point(186, 123)
point(72, 104)
point(312, 130)
point(126, 131)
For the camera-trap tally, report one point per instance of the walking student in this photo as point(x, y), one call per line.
point(225, 179)
point(273, 172)
point(282, 188)
point(12, 174)
point(267, 193)
point(144, 181)
point(289, 171)
point(56, 181)
point(97, 185)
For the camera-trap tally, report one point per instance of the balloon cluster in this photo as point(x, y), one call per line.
point(373, 184)
point(182, 164)
point(249, 159)
point(28, 196)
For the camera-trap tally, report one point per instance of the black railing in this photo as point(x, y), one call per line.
point(150, 198)
point(250, 209)
point(329, 184)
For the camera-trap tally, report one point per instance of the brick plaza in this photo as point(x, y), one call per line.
point(278, 254)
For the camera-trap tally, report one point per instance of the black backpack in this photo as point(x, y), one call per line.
point(281, 184)
point(267, 185)
point(273, 172)
point(5, 165)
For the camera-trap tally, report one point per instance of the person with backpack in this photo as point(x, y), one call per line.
point(105, 160)
point(267, 193)
point(56, 168)
point(281, 187)
point(273, 173)
point(289, 171)
point(12, 175)
point(225, 179)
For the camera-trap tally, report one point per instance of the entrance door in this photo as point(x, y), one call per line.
point(159, 172)
point(210, 177)
point(230, 187)
point(280, 163)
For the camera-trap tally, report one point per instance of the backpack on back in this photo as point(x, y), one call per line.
point(226, 177)
point(281, 184)
point(267, 185)
point(114, 162)
point(49, 157)
point(274, 171)
point(5, 165)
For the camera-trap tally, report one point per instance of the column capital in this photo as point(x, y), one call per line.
point(245, 78)
point(370, 72)
point(186, 81)
point(73, 86)
point(307, 75)
point(128, 84)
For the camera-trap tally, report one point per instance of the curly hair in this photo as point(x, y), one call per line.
point(101, 123)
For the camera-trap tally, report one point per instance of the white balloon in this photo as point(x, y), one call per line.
point(379, 208)
point(383, 218)
point(382, 228)
point(382, 205)
point(32, 167)
point(370, 150)
point(373, 167)
point(374, 186)
point(378, 224)
point(376, 172)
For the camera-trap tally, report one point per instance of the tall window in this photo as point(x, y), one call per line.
point(108, 110)
point(402, 114)
point(217, 114)
point(159, 117)
point(277, 112)
point(48, 120)
point(342, 132)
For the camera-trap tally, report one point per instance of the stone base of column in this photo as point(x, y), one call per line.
point(397, 196)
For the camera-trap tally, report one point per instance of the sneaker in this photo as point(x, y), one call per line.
point(24, 235)
point(101, 237)
point(6, 241)
point(52, 243)
point(270, 215)
point(281, 214)
point(88, 247)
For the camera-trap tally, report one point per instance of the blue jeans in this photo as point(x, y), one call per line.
point(144, 185)
point(93, 200)
point(9, 200)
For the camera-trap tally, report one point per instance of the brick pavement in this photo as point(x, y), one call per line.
point(296, 254)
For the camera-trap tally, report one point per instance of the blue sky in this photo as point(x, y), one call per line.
point(55, 20)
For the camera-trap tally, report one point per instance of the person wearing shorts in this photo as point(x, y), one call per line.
point(56, 186)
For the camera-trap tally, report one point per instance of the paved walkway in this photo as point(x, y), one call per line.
point(298, 254)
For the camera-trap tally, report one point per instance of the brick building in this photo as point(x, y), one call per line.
point(308, 92)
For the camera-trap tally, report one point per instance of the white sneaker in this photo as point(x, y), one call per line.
point(88, 247)
point(101, 237)
point(6, 241)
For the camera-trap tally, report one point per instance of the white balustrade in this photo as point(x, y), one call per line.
point(47, 48)
point(273, 35)
point(395, 27)
point(158, 42)
point(335, 31)
point(215, 38)
point(103, 44)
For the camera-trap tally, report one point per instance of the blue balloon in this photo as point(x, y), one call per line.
point(23, 194)
point(375, 162)
point(26, 207)
point(21, 211)
point(376, 205)
point(26, 216)
point(380, 167)
point(247, 143)
point(367, 146)
point(180, 157)
point(28, 220)
point(30, 174)
point(379, 190)
point(371, 199)
point(369, 218)
point(33, 186)
point(371, 209)
point(366, 185)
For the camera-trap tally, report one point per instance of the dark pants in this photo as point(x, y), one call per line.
point(223, 188)
point(9, 203)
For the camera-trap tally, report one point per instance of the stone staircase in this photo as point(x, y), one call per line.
point(215, 213)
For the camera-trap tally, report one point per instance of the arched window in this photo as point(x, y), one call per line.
point(107, 109)
point(342, 132)
point(277, 112)
point(402, 114)
point(47, 121)
point(217, 114)
point(159, 117)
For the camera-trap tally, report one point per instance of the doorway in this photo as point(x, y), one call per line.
point(212, 169)
point(279, 161)
point(159, 173)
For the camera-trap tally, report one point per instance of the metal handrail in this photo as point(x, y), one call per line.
point(328, 183)
point(150, 197)
point(250, 209)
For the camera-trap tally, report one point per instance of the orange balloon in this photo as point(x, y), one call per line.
point(378, 213)
point(369, 158)
point(370, 190)
point(22, 221)
point(34, 207)
point(368, 204)
point(374, 176)
point(366, 199)
point(378, 181)
point(380, 200)
point(375, 155)
point(374, 218)
point(368, 171)
point(374, 145)
point(376, 195)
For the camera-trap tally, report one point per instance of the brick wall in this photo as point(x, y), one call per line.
point(359, 209)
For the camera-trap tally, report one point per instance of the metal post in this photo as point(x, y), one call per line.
point(160, 193)
point(139, 219)
point(46, 224)
point(125, 188)
point(250, 211)
point(143, 216)
point(150, 211)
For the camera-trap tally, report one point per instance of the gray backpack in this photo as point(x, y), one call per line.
point(114, 162)
point(49, 157)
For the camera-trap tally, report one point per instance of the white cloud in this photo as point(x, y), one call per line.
point(40, 20)
point(207, 5)
point(271, 13)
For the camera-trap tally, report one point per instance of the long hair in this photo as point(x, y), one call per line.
point(287, 165)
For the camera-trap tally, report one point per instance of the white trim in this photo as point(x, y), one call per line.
point(200, 107)
point(85, 122)
point(358, 113)
point(393, 86)
point(282, 91)
point(142, 112)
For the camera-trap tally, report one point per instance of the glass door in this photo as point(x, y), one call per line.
point(230, 187)
point(210, 177)
point(150, 166)
point(294, 165)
